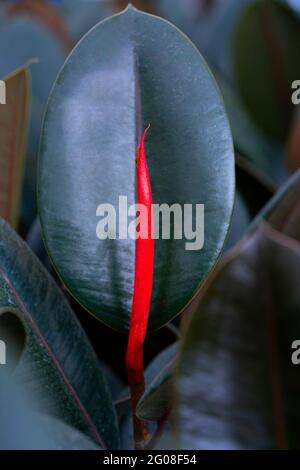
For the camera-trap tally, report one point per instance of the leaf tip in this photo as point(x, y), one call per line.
point(130, 9)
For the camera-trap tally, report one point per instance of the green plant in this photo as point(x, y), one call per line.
point(132, 97)
point(189, 340)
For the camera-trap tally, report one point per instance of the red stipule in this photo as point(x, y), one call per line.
point(143, 283)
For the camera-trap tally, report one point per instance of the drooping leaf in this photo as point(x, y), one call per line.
point(156, 402)
point(147, 72)
point(237, 387)
point(267, 43)
point(56, 359)
point(14, 116)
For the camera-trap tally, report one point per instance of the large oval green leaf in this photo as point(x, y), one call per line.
point(55, 359)
point(131, 70)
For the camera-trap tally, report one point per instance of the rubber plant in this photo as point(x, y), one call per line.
point(132, 71)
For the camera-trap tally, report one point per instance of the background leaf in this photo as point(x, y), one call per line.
point(47, 14)
point(248, 140)
point(211, 28)
point(237, 387)
point(267, 43)
point(13, 138)
point(56, 360)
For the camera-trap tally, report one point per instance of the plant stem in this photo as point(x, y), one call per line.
point(158, 432)
point(140, 427)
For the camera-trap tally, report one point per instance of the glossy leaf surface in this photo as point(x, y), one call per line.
point(129, 71)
